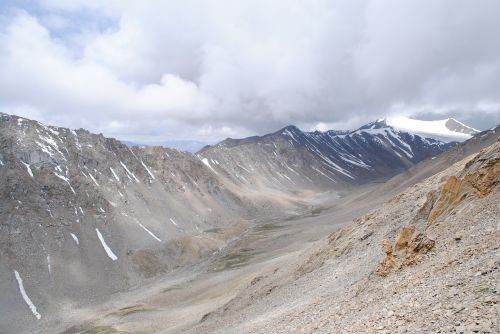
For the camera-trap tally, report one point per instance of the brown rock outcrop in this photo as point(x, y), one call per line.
point(406, 250)
point(480, 177)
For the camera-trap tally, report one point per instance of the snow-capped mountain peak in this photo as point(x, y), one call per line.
point(446, 130)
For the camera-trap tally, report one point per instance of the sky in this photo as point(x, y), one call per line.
point(151, 71)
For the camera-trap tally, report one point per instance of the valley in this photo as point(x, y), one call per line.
point(98, 237)
point(249, 167)
point(179, 301)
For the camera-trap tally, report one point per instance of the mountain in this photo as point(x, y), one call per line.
point(446, 130)
point(290, 158)
point(425, 261)
point(191, 146)
point(408, 255)
point(83, 216)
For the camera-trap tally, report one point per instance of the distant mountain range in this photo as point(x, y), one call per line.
point(83, 213)
point(191, 146)
point(446, 130)
point(291, 158)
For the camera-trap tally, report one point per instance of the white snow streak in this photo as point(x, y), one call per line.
point(147, 169)
point(151, 233)
point(323, 174)
point(28, 168)
point(25, 296)
point(114, 174)
point(129, 172)
point(93, 179)
point(66, 180)
point(173, 222)
point(108, 250)
point(205, 161)
point(75, 238)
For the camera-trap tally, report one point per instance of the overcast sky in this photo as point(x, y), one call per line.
point(156, 70)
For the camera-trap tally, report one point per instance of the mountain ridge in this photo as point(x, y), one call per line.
point(334, 158)
point(460, 128)
point(83, 216)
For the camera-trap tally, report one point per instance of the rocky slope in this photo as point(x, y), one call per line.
point(291, 159)
point(425, 261)
point(83, 216)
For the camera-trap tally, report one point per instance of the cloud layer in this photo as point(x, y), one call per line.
point(156, 70)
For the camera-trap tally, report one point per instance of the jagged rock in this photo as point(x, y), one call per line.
point(406, 250)
point(478, 179)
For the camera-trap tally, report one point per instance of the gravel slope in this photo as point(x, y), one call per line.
point(345, 283)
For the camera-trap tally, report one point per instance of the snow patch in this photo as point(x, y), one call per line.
point(108, 250)
point(66, 180)
point(150, 233)
point(114, 174)
point(93, 179)
point(129, 172)
point(147, 169)
point(75, 238)
point(432, 129)
point(205, 161)
point(30, 172)
point(25, 296)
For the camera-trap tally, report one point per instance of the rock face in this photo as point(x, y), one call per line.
point(479, 178)
point(405, 252)
point(291, 159)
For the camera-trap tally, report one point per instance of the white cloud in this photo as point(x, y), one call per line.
point(216, 68)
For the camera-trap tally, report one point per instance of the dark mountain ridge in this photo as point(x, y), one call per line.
point(290, 157)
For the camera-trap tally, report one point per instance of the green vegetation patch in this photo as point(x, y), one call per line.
point(103, 330)
point(214, 230)
point(317, 210)
point(486, 290)
point(236, 259)
point(123, 312)
point(109, 330)
point(267, 227)
point(172, 288)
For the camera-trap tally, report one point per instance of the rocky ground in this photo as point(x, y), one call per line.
point(425, 261)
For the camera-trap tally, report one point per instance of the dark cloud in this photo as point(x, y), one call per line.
point(159, 70)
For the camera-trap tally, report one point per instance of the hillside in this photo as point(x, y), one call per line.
point(380, 258)
point(425, 261)
point(84, 217)
point(291, 158)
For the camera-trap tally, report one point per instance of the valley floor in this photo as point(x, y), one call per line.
point(179, 301)
point(424, 260)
